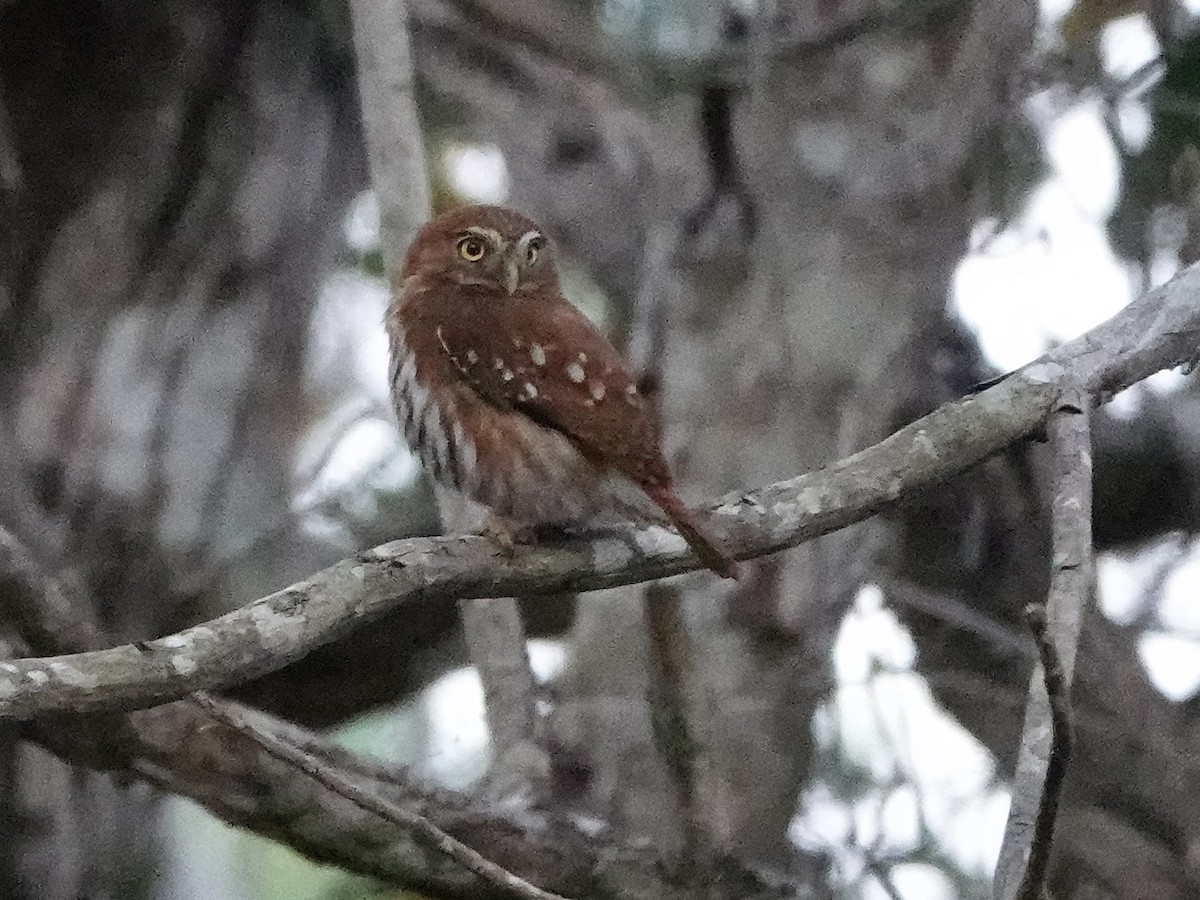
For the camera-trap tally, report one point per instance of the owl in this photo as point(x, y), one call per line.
point(509, 395)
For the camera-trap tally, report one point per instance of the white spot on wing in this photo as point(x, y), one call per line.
point(538, 354)
point(529, 390)
point(597, 391)
point(442, 341)
point(507, 375)
point(575, 373)
point(472, 357)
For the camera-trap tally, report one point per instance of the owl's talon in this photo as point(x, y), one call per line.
point(506, 533)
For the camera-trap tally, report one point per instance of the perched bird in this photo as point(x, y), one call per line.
point(511, 396)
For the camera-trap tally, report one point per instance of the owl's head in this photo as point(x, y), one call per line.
point(491, 246)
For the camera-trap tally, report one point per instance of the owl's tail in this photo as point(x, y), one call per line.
point(702, 543)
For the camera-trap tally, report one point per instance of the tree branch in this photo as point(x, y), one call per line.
point(1058, 692)
point(496, 642)
point(390, 122)
point(959, 613)
point(181, 749)
point(1045, 740)
point(1160, 330)
point(374, 803)
point(669, 655)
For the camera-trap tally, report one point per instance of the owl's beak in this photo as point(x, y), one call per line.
point(512, 275)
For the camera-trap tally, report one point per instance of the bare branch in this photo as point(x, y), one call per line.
point(374, 803)
point(674, 738)
point(1160, 330)
point(390, 120)
point(1058, 692)
point(496, 643)
point(182, 749)
point(1024, 855)
point(960, 614)
point(47, 618)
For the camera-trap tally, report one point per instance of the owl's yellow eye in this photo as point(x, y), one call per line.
point(532, 251)
point(471, 249)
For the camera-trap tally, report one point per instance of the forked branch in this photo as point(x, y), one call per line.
point(1046, 738)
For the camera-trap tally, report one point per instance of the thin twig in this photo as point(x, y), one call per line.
point(1021, 870)
point(883, 876)
point(958, 613)
point(1058, 691)
point(387, 810)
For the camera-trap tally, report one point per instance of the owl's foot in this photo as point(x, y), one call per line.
point(506, 533)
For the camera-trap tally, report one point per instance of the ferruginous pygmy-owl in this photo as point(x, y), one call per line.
point(510, 395)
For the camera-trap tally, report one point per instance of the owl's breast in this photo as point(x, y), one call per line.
point(495, 456)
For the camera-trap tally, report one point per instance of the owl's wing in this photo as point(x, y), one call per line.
point(548, 362)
